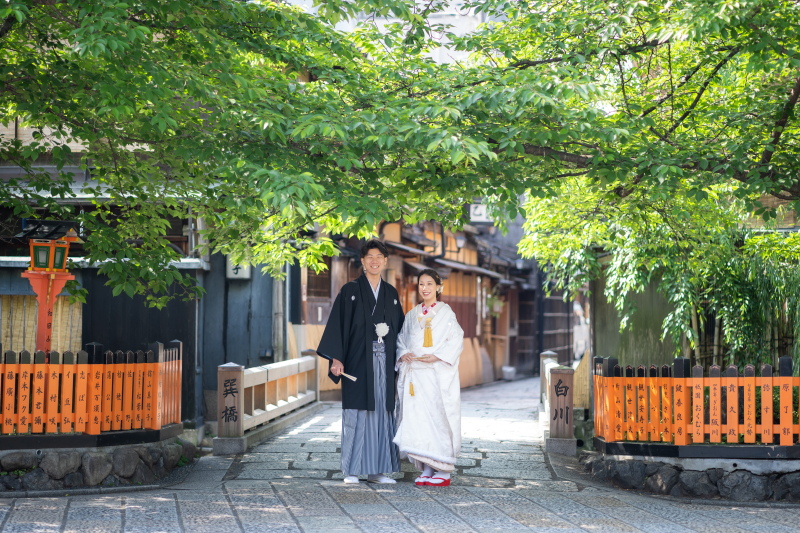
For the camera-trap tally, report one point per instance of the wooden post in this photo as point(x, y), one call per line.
point(560, 396)
point(750, 404)
point(598, 369)
point(666, 404)
point(53, 371)
point(46, 285)
point(94, 419)
point(714, 405)
point(630, 404)
point(766, 404)
point(178, 347)
point(152, 396)
point(230, 400)
point(608, 401)
point(655, 404)
point(117, 413)
point(158, 383)
point(641, 404)
point(82, 392)
point(139, 390)
point(67, 392)
point(619, 406)
point(680, 369)
point(24, 388)
point(166, 402)
point(38, 392)
point(174, 386)
point(698, 412)
point(128, 397)
point(785, 370)
point(731, 385)
point(108, 390)
point(10, 392)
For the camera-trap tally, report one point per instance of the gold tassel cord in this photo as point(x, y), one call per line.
point(411, 388)
point(428, 341)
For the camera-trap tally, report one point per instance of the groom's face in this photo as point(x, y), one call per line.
point(374, 262)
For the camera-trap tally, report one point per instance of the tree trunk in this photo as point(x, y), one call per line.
point(696, 336)
point(717, 324)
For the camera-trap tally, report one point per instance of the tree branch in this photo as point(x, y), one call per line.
point(523, 64)
point(581, 161)
point(7, 25)
point(622, 81)
point(780, 125)
point(701, 91)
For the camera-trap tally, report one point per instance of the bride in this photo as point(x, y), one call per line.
point(429, 407)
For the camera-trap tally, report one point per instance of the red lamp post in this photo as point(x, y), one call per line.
point(49, 245)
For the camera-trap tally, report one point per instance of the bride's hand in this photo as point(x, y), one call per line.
point(428, 358)
point(406, 358)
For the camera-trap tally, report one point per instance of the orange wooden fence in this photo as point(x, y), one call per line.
point(668, 405)
point(70, 394)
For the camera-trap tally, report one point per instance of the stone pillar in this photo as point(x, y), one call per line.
point(562, 439)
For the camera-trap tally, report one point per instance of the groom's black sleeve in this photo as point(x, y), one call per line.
point(332, 342)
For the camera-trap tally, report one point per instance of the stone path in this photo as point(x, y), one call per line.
point(291, 483)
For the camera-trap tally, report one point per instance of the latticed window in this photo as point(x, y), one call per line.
point(319, 284)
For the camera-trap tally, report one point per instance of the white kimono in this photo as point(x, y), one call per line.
point(429, 422)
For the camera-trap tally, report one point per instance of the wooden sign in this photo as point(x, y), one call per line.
point(731, 385)
point(10, 370)
point(766, 404)
point(560, 396)
point(38, 392)
point(698, 421)
point(82, 392)
point(714, 405)
point(749, 404)
point(230, 400)
point(52, 418)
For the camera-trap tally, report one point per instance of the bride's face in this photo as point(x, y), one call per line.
point(427, 288)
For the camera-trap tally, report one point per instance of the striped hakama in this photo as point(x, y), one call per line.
point(367, 446)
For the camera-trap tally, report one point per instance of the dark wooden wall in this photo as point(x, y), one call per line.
point(123, 323)
point(527, 357)
point(237, 326)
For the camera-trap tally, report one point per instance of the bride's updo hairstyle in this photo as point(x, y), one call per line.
point(437, 279)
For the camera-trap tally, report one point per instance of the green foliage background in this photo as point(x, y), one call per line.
point(666, 115)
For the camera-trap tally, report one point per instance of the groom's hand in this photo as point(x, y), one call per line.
point(337, 367)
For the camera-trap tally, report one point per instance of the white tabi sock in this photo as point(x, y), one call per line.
point(442, 475)
point(380, 478)
point(427, 471)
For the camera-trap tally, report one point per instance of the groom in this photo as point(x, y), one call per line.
point(350, 338)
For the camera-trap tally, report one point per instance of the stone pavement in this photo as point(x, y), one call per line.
point(291, 483)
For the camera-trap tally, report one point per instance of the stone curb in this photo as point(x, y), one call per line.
point(590, 481)
point(720, 503)
point(77, 492)
point(674, 484)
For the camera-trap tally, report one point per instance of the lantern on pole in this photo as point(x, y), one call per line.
point(49, 242)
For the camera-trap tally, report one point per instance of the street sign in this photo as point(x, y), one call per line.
point(478, 213)
point(233, 271)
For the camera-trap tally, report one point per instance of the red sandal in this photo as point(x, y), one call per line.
point(421, 481)
point(444, 482)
